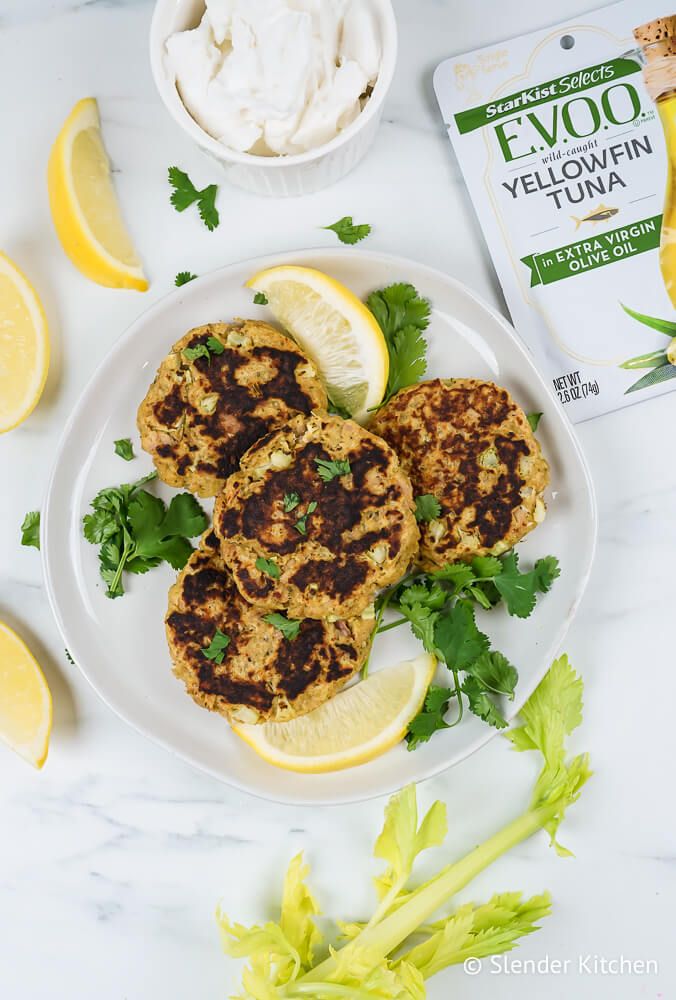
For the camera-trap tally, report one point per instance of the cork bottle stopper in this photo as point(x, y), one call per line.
point(657, 38)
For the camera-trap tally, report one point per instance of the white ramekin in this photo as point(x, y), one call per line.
point(274, 175)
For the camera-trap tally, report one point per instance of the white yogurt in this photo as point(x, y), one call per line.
point(275, 77)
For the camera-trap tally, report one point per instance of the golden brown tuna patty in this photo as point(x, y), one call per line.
point(469, 444)
point(329, 559)
point(200, 416)
point(262, 676)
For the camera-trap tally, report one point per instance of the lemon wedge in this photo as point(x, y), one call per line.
point(24, 346)
point(25, 701)
point(84, 206)
point(335, 329)
point(352, 728)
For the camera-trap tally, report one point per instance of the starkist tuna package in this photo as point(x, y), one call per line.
point(567, 141)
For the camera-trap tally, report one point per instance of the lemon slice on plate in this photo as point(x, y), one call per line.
point(24, 346)
point(352, 728)
point(84, 206)
point(335, 329)
point(25, 701)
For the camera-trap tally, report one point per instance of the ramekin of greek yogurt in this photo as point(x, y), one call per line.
point(286, 94)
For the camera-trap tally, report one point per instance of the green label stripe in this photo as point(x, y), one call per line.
point(553, 90)
point(594, 251)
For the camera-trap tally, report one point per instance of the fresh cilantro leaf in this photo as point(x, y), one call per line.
point(214, 345)
point(347, 232)
point(430, 719)
point(289, 627)
point(216, 649)
point(427, 507)
point(268, 566)
point(260, 299)
point(495, 673)
point(423, 621)
point(516, 589)
point(184, 516)
point(69, 657)
point(124, 449)
point(427, 592)
point(533, 419)
point(397, 306)
point(162, 534)
point(457, 637)
point(546, 570)
point(486, 567)
point(193, 353)
point(329, 470)
point(301, 523)
point(30, 529)
point(408, 363)
point(185, 194)
point(458, 573)
point(291, 501)
point(207, 207)
point(481, 704)
point(183, 277)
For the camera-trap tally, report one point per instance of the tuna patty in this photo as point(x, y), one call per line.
point(469, 444)
point(319, 518)
point(201, 415)
point(263, 676)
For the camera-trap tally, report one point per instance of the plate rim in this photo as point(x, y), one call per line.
point(260, 262)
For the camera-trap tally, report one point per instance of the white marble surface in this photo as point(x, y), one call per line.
point(112, 858)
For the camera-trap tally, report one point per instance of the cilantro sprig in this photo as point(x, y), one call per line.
point(30, 529)
point(347, 231)
point(329, 469)
point(289, 627)
point(440, 610)
point(186, 194)
point(427, 507)
point(215, 651)
point(124, 448)
point(136, 531)
point(268, 566)
point(212, 346)
point(183, 277)
point(402, 316)
point(301, 523)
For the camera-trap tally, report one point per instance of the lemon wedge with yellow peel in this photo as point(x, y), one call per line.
point(335, 329)
point(84, 207)
point(25, 701)
point(352, 728)
point(24, 346)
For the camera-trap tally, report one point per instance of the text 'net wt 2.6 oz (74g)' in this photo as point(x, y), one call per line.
point(567, 141)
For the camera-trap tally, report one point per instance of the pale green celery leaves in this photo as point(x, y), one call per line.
point(476, 932)
point(278, 953)
point(364, 970)
point(401, 841)
point(298, 910)
point(551, 713)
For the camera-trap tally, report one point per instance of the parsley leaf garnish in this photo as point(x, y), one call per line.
point(301, 523)
point(260, 299)
point(186, 194)
point(430, 719)
point(289, 627)
point(124, 449)
point(518, 590)
point(30, 529)
point(268, 566)
point(329, 469)
point(216, 649)
point(402, 316)
point(291, 501)
point(69, 657)
point(183, 277)
point(481, 704)
point(198, 351)
point(135, 531)
point(458, 638)
point(427, 507)
point(533, 419)
point(347, 232)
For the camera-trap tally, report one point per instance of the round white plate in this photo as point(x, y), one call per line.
point(120, 644)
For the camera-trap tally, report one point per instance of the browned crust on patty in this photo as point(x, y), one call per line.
point(466, 442)
point(199, 417)
point(362, 535)
point(263, 676)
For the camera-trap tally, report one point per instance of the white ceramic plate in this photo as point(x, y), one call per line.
point(120, 645)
